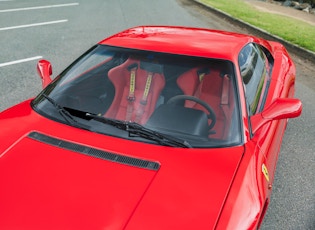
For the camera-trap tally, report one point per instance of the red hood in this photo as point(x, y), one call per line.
point(52, 182)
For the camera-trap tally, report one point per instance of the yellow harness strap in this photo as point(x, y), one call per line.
point(131, 95)
point(147, 88)
point(132, 85)
point(144, 99)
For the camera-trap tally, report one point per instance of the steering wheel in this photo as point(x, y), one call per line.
point(211, 116)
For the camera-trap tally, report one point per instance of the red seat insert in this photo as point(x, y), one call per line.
point(132, 102)
point(213, 87)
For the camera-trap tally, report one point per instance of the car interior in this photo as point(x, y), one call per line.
point(188, 96)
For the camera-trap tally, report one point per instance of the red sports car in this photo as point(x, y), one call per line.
point(156, 127)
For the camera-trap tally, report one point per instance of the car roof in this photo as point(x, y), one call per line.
point(182, 40)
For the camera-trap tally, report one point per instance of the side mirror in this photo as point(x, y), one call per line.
point(281, 108)
point(44, 70)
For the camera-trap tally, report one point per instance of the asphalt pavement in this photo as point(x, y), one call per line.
point(61, 30)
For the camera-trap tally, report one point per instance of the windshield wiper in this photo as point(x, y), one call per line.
point(134, 129)
point(137, 130)
point(163, 139)
point(64, 113)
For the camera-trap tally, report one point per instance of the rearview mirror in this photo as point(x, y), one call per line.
point(281, 108)
point(44, 70)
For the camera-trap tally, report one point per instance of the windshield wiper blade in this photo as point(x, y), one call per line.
point(64, 113)
point(116, 123)
point(138, 130)
point(163, 139)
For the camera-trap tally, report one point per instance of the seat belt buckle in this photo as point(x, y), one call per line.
point(143, 102)
point(131, 98)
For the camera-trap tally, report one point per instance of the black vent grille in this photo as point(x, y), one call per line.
point(94, 152)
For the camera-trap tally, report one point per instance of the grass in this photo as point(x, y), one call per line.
point(292, 30)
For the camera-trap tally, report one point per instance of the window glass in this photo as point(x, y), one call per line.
point(253, 67)
point(139, 95)
point(95, 58)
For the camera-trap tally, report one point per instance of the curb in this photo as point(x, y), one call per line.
point(297, 50)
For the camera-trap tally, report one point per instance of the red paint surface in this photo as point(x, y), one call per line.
point(45, 187)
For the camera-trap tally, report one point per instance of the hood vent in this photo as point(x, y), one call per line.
point(94, 152)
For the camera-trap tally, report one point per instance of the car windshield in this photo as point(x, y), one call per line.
point(192, 100)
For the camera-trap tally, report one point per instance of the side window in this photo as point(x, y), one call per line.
point(254, 69)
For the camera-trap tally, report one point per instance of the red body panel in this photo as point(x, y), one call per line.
point(47, 187)
point(189, 41)
point(58, 189)
point(251, 190)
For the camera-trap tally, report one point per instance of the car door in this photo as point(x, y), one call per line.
point(256, 66)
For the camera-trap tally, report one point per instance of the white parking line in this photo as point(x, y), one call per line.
point(20, 61)
point(38, 7)
point(34, 24)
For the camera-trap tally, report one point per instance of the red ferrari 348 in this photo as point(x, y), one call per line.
point(156, 127)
